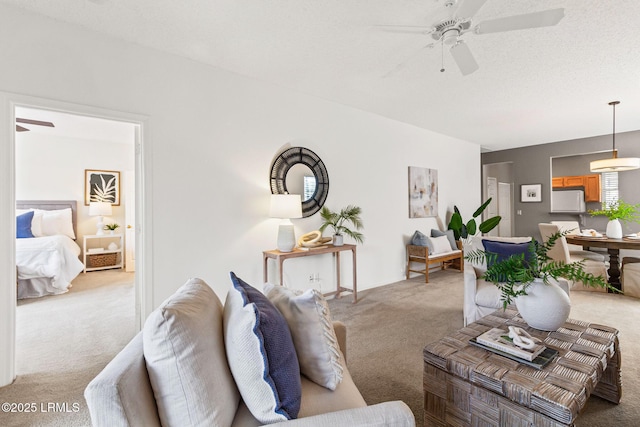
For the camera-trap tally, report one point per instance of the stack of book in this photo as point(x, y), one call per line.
point(498, 341)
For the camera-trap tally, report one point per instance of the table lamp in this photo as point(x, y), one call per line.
point(99, 209)
point(286, 206)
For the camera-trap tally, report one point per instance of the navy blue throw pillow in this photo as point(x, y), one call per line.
point(504, 250)
point(23, 225)
point(281, 360)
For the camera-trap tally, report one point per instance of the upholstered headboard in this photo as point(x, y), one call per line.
point(50, 205)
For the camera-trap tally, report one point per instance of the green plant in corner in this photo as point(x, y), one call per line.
point(338, 221)
point(619, 210)
point(462, 230)
point(111, 227)
point(515, 274)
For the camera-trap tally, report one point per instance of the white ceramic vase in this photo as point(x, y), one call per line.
point(338, 240)
point(545, 307)
point(614, 229)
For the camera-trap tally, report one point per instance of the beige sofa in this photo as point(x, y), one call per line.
point(123, 395)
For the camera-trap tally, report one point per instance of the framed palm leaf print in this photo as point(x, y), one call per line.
point(101, 186)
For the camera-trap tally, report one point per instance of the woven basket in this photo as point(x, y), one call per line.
point(102, 260)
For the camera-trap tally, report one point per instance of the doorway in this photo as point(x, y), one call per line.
point(9, 104)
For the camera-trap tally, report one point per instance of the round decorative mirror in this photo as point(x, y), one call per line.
point(298, 170)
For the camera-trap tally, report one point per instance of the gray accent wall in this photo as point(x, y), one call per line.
point(532, 165)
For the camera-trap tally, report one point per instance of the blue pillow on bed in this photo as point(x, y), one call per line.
point(23, 225)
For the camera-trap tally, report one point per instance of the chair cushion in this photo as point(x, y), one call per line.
point(261, 354)
point(307, 314)
point(185, 355)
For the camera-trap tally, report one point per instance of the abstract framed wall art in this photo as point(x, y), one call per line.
point(423, 192)
point(531, 193)
point(101, 186)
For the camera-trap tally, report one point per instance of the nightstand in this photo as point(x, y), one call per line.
point(97, 255)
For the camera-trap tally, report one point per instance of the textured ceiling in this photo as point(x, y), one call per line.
point(534, 86)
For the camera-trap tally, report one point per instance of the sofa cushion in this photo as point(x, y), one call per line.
point(488, 294)
point(261, 354)
point(307, 314)
point(185, 355)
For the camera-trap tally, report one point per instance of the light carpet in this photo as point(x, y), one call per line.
point(390, 325)
point(62, 342)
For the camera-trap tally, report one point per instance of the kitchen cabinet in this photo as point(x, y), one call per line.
point(590, 183)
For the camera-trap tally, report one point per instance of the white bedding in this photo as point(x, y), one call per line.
point(52, 257)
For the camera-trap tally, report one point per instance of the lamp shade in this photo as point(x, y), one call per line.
point(99, 208)
point(615, 164)
point(285, 206)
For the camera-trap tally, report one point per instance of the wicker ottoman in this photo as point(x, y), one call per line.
point(467, 386)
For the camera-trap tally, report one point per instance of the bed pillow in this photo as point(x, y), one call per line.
point(55, 222)
point(309, 319)
point(183, 344)
point(450, 237)
point(440, 245)
point(261, 354)
point(420, 239)
point(23, 225)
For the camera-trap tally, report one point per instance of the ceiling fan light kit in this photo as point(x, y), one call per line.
point(450, 29)
point(615, 164)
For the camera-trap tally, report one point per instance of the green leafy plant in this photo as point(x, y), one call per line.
point(111, 226)
point(620, 210)
point(515, 274)
point(462, 230)
point(338, 221)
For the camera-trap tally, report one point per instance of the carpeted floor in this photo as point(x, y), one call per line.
point(63, 341)
point(389, 326)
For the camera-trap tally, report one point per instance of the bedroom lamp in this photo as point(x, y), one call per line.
point(100, 209)
point(286, 206)
point(615, 164)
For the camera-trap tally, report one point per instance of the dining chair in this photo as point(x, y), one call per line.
point(573, 227)
point(631, 276)
point(560, 252)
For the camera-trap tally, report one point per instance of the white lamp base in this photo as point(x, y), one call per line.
point(286, 237)
point(100, 226)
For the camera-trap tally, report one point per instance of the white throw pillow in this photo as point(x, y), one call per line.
point(440, 244)
point(184, 350)
point(53, 223)
point(261, 354)
point(307, 314)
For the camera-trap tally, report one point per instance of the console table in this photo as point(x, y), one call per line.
point(465, 385)
point(280, 257)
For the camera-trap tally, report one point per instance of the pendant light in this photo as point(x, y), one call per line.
point(615, 164)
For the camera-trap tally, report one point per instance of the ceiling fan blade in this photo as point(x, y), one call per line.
point(546, 18)
point(468, 8)
point(464, 58)
point(34, 122)
point(414, 29)
point(21, 129)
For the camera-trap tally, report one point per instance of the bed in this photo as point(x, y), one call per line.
point(48, 262)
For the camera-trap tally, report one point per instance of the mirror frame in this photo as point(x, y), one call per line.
point(300, 155)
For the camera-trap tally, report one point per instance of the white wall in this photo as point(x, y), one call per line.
point(213, 135)
point(53, 168)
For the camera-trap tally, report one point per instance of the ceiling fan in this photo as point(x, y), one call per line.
point(450, 29)
point(30, 122)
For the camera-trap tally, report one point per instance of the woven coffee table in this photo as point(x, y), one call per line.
point(467, 386)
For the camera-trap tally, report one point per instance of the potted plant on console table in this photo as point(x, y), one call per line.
point(530, 279)
point(616, 212)
point(338, 220)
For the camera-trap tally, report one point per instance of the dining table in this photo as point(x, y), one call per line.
point(613, 247)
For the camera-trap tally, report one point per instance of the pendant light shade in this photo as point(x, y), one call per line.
point(615, 164)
